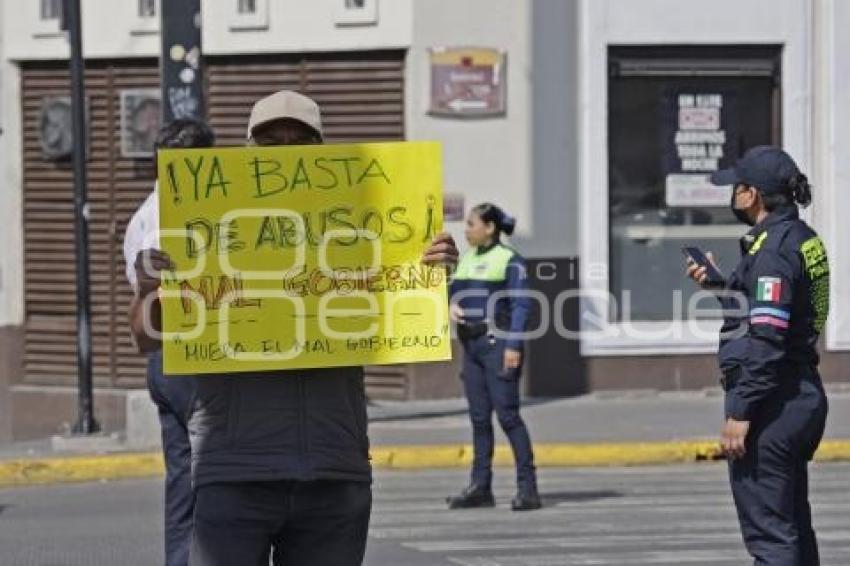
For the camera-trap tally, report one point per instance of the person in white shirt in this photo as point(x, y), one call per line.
point(173, 395)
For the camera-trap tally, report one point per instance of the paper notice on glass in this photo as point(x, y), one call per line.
point(695, 190)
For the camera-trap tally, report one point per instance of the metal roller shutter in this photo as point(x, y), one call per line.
point(116, 187)
point(361, 94)
point(362, 98)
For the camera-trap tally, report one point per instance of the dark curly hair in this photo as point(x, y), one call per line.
point(797, 190)
point(184, 133)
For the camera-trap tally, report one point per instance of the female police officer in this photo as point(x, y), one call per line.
point(491, 310)
point(775, 404)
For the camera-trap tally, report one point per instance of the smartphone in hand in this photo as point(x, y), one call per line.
point(696, 255)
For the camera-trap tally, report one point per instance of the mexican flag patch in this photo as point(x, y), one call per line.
point(769, 289)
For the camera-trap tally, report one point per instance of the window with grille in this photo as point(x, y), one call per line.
point(246, 6)
point(250, 15)
point(49, 10)
point(147, 8)
point(356, 12)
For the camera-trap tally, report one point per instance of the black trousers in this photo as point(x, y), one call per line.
point(770, 484)
point(173, 398)
point(316, 523)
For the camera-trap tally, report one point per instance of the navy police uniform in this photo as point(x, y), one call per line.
point(488, 386)
point(769, 362)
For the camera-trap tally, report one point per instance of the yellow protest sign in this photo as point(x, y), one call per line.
point(301, 257)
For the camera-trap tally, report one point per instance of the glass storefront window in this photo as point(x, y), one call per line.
point(675, 115)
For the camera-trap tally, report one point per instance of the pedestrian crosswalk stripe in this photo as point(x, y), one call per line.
point(617, 517)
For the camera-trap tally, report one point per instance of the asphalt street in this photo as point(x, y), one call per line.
point(601, 516)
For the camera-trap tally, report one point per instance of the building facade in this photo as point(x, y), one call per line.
point(607, 116)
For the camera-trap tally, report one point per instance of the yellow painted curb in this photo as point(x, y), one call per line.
point(833, 451)
point(591, 454)
point(80, 469)
point(123, 466)
point(576, 455)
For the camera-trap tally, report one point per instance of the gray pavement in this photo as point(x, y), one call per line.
point(602, 417)
point(677, 515)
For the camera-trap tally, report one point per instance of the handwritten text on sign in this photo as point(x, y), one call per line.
point(301, 257)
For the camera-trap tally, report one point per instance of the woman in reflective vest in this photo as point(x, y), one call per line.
point(490, 307)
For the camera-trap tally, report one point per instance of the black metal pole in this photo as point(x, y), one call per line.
point(86, 423)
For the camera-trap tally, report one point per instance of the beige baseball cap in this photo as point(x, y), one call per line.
point(285, 104)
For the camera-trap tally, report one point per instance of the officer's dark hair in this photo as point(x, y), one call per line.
point(489, 212)
point(797, 191)
point(184, 133)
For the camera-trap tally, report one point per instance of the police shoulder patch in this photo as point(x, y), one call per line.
point(814, 257)
point(816, 265)
point(769, 289)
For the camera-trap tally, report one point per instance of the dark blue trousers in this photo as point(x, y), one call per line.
point(770, 484)
point(488, 387)
point(173, 398)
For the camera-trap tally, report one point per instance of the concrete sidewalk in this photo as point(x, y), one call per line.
point(623, 416)
point(602, 429)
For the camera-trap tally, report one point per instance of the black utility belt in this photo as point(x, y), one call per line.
point(472, 330)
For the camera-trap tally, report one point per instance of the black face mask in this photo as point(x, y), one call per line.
point(740, 214)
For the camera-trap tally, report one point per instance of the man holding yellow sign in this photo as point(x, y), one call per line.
point(284, 270)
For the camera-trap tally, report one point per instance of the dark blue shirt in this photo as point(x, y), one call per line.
point(782, 283)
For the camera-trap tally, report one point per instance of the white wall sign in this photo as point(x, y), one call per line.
point(468, 82)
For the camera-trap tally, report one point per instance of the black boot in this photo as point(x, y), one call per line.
point(473, 496)
point(527, 499)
